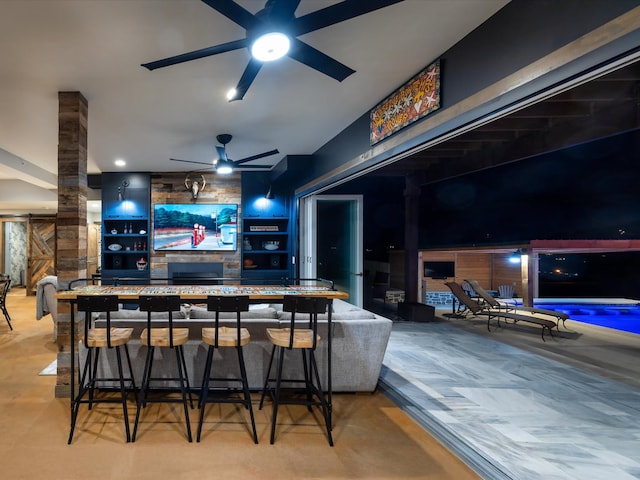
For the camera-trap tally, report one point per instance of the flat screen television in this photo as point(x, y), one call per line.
point(440, 269)
point(191, 227)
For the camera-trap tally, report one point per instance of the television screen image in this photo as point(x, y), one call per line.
point(439, 269)
point(190, 227)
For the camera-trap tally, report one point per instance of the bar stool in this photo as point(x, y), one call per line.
point(296, 337)
point(171, 337)
point(222, 337)
point(94, 339)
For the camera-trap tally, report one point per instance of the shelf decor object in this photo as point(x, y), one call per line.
point(263, 228)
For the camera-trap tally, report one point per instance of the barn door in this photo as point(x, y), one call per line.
point(41, 251)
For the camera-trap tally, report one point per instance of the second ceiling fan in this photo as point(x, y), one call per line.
point(224, 165)
point(277, 22)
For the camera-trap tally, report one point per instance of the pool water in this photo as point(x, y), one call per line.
point(624, 317)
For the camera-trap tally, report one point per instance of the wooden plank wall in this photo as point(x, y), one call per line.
point(468, 265)
point(506, 273)
point(490, 269)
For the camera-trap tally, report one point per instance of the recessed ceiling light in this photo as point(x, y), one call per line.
point(270, 46)
point(120, 162)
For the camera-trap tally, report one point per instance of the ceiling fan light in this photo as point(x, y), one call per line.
point(223, 167)
point(270, 46)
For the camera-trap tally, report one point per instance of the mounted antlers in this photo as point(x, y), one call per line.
point(195, 186)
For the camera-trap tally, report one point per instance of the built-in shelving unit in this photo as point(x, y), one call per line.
point(265, 246)
point(266, 240)
point(125, 225)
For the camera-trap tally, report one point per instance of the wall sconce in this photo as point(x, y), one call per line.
point(516, 257)
point(269, 195)
point(121, 190)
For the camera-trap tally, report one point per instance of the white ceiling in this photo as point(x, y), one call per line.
point(96, 47)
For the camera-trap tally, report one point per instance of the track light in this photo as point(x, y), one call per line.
point(121, 190)
point(269, 195)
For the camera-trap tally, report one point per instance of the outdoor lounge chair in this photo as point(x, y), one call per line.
point(469, 305)
point(494, 303)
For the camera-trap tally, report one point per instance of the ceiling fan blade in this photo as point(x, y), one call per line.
point(337, 13)
point(196, 54)
point(253, 167)
point(256, 157)
point(247, 79)
point(234, 12)
point(317, 60)
point(190, 161)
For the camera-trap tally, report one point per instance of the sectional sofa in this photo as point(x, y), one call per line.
point(359, 342)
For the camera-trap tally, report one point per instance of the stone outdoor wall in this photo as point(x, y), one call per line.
point(438, 299)
point(169, 188)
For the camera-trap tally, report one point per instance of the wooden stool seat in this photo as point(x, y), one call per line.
point(227, 336)
point(160, 337)
point(282, 336)
point(97, 337)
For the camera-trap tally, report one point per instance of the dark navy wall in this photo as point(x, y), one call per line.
point(522, 32)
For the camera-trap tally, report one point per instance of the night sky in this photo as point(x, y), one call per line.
point(590, 191)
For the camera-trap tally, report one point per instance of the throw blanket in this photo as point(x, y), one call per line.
point(42, 309)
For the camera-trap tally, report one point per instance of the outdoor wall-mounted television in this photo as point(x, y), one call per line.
point(440, 269)
point(191, 227)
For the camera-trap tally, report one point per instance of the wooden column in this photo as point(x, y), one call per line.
point(71, 234)
point(529, 269)
point(411, 201)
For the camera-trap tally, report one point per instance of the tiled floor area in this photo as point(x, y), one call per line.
point(513, 413)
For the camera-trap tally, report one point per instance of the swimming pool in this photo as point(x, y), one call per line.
point(619, 316)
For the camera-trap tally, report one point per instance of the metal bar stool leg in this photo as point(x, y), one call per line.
point(219, 338)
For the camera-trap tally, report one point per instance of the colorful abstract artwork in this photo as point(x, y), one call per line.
point(418, 97)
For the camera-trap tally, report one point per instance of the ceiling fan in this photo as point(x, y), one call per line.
point(224, 165)
point(277, 22)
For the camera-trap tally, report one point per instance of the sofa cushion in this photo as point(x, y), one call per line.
point(126, 314)
point(341, 311)
point(263, 311)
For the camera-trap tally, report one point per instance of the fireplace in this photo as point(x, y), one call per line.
point(198, 273)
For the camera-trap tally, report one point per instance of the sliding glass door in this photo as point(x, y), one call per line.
point(331, 241)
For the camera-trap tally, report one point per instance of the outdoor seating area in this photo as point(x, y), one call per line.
point(467, 306)
point(511, 307)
